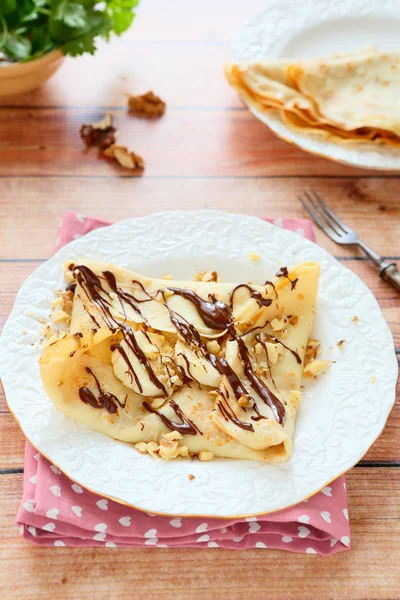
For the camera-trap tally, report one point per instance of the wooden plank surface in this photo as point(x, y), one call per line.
point(205, 153)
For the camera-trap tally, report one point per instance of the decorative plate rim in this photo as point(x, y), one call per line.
point(206, 219)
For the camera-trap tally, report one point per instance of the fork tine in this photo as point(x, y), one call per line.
point(326, 217)
point(314, 216)
point(332, 215)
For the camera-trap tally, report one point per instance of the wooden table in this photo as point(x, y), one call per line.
point(206, 152)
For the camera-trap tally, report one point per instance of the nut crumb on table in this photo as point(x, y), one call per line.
point(148, 105)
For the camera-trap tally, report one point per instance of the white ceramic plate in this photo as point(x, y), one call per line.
point(312, 28)
point(341, 415)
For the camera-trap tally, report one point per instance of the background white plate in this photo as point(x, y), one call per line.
point(340, 416)
point(312, 28)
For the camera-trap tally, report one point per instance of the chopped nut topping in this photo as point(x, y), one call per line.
point(254, 257)
point(372, 379)
point(355, 319)
point(274, 352)
point(148, 105)
point(182, 451)
point(174, 435)
point(58, 316)
point(341, 343)
point(126, 159)
point(141, 446)
point(67, 301)
point(279, 323)
point(191, 477)
point(204, 455)
point(152, 448)
point(206, 276)
point(168, 449)
point(101, 134)
point(315, 368)
point(293, 320)
point(311, 351)
point(213, 347)
point(244, 401)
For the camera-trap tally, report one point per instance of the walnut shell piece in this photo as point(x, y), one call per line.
point(126, 159)
point(148, 105)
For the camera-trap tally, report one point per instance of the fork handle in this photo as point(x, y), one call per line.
point(390, 273)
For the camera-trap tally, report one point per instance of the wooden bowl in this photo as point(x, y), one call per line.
point(19, 78)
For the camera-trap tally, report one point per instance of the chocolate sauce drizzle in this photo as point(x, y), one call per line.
point(253, 294)
point(185, 427)
point(283, 272)
point(214, 313)
point(94, 290)
point(191, 336)
point(105, 399)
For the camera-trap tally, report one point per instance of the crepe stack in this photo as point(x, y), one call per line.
point(184, 368)
point(350, 97)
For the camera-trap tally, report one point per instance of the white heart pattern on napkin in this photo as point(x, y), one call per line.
point(30, 505)
point(326, 516)
point(202, 528)
point(204, 538)
point(77, 488)
point(55, 489)
point(125, 521)
point(254, 527)
point(260, 545)
point(151, 533)
point(327, 491)
point(177, 522)
point(99, 537)
point(303, 531)
point(102, 504)
point(52, 513)
point(77, 510)
point(303, 519)
point(49, 527)
point(100, 527)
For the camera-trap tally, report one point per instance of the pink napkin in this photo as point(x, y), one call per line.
point(57, 512)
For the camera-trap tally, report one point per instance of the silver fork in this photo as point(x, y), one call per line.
point(340, 233)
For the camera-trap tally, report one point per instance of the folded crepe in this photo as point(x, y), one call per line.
point(346, 97)
point(183, 368)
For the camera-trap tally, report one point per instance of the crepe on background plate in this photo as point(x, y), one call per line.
point(349, 97)
point(183, 368)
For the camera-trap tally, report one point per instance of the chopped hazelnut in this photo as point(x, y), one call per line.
point(174, 435)
point(182, 451)
point(315, 368)
point(141, 446)
point(191, 477)
point(168, 449)
point(148, 105)
point(244, 401)
point(355, 319)
point(279, 323)
point(67, 301)
point(341, 343)
point(311, 350)
point(254, 256)
point(274, 352)
point(213, 347)
point(210, 276)
point(152, 448)
point(204, 455)
point(293, 320)
point(58, 316)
